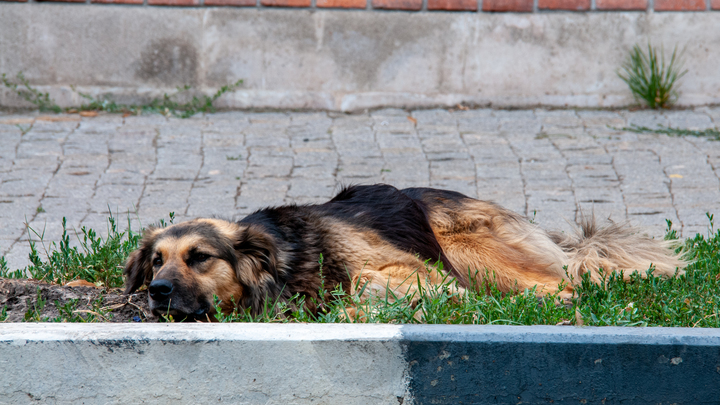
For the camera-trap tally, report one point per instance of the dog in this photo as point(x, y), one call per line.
point(376, 241)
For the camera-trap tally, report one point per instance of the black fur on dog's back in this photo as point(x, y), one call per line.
point(299, 233)
point(399, 219)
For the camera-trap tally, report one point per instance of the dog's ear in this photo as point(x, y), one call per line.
point(138, 267)
point(257, 266)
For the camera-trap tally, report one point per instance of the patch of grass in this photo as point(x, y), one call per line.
point(710, 133)
point(98, 260)
point(68, 312)
point(652, 79)
point(690, 300)
point(167, 105)
point(33, 313)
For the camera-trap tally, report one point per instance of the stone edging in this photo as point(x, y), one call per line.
point(389, 364)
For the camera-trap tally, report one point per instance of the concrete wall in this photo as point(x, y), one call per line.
point(356, 364)
point(348, 60)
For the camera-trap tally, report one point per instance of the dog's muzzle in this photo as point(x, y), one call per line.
point(168, 299)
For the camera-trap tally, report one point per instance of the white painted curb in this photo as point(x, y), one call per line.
point(355, 364)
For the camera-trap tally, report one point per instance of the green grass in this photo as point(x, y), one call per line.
point(652, 79)
point(167, 105)
point(98, 260)
point(690, 300)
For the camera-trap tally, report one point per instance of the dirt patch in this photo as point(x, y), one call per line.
point(35, 301)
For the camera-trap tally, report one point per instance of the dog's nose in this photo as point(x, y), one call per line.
point(160, 289)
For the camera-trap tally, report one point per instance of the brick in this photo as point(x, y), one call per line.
point(62, 1)
point(715, 4)
point(453, 5)
point(286, 3)
point(230, 3)
point(118, 1)
point(341, 3)
point(524, 6)
point(679, 5)
point(621, 4)
point(412, 5)
point(174, 2)
point(15, 1)
point(573, 5)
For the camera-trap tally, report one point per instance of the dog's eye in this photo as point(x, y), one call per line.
point(157, 261)
point(197, 258)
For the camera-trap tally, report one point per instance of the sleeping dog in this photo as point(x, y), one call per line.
point(381, 239)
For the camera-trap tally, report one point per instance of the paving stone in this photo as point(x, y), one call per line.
point(303, 187)
point(691, 120)
point(646, 118)
point(601, 119)
point(258, 194)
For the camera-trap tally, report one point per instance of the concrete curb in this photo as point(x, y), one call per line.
point(349, 364)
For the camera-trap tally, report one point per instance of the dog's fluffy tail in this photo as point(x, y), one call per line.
point(617, 247)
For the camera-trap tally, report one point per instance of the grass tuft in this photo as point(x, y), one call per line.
point(650, 78)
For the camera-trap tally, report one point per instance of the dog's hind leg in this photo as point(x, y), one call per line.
point(489, 244)
point(396, 282)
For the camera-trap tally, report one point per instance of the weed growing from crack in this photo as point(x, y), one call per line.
point(167, 105)
point(710, 133)
point(650, 78)
point(23, 89)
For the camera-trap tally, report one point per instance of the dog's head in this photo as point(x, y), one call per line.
point(186, 264)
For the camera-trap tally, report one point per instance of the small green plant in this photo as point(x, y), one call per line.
point(650, 78)
point(3, 313)
point(171, 217)
point(34, 314)
point(5, 272)
point(23, 89)
point(24, 130)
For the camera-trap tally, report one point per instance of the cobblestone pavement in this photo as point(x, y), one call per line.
point(550, 165)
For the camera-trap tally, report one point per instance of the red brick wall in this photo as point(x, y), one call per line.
point(483, 6)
